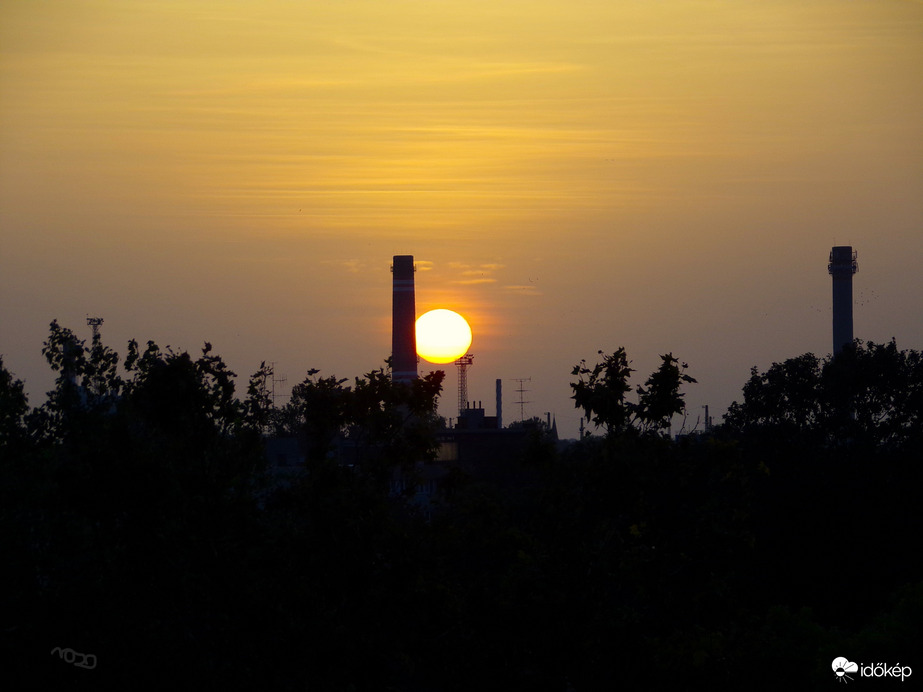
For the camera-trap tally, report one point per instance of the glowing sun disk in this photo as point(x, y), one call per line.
point(443, 336)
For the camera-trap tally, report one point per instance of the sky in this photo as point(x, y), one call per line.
point(663, 175)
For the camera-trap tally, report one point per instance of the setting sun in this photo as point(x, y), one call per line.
point(443, 336)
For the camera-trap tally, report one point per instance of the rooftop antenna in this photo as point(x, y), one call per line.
point(275, 380)
point(521, 390)
point(462, 364)
point(94, 323)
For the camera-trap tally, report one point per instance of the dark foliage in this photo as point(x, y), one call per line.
point(139, 525)
point(601, 392)
point(868, 396)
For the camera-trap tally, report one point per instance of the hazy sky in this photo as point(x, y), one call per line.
point(664, 175)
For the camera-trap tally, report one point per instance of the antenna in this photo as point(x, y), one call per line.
point(463, 363)
point(94, 323)
point(275, 380)
point(97, 379)
point(521, 390)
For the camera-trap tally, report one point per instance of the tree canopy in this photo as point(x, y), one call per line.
point(139, 524)
point(868, 395)
point(601, 391)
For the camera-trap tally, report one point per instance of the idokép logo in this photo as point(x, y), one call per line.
point(842, 668)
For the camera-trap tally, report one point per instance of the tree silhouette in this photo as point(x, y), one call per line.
point(601, 392)
point(841, 439)
point(137, 525)
point(13, 409)
point(869, 395)
point(386, 423)
point(660, 399)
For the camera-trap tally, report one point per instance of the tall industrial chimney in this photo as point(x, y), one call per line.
point(842, 266)
point(499, 403)
point(403, 321)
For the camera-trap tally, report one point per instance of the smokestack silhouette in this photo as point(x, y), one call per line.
point(499, 403)
point(403, 321)
point(841, 267)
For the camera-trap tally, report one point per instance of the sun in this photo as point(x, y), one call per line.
point(443, 336)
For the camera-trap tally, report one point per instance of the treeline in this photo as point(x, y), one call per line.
point(141, 526)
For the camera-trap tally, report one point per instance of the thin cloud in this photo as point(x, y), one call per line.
point(474, 274)
point(472, 282)
point(353, 266)
point(523, 289)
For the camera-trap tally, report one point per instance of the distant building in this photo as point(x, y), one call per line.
point(482, 451)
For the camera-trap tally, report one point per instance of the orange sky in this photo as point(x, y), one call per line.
point(667, 176)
